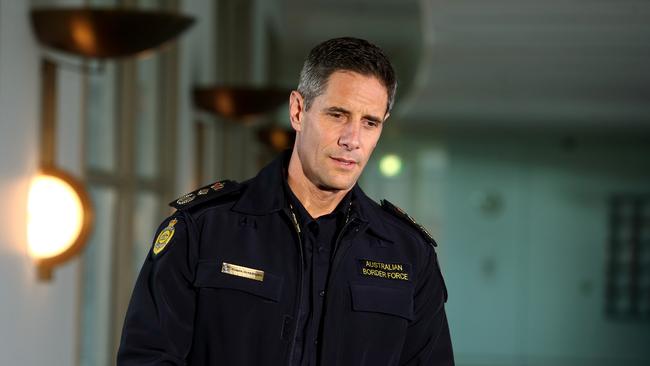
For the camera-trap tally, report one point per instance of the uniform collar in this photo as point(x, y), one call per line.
point(341, 211)
point(369, 212)
point(265, 194)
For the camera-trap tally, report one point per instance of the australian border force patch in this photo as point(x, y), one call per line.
point(390, 271)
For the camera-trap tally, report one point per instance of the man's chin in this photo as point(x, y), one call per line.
point(337, 186)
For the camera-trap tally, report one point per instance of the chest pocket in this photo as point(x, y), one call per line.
point(209, 274)
point(382, 299)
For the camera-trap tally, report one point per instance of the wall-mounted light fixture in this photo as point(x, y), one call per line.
point(277, 138)
point(59, 219)
point(60, 213)
point(106, 33)
point(239, 102)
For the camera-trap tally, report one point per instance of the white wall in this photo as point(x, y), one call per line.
point(38, 321)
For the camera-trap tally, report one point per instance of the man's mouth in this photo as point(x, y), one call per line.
point(344, 162)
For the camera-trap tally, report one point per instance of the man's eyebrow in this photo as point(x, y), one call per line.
point(347, 113)
point(338, 110)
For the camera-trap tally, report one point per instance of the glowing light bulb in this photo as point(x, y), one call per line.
point(55, 216)
point(390, 165)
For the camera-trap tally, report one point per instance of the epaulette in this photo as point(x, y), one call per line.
point(204, 194)
point(396, 211)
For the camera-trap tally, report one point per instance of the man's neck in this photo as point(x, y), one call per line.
point(316, 201)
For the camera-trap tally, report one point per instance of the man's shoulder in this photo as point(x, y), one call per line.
point(218, 194)
point(398, 220)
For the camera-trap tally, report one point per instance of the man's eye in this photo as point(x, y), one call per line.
point(372, 123)
point(336, 115)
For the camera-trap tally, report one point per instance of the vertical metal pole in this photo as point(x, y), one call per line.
point(122, 281)
point(199, 153)
point(48, 114)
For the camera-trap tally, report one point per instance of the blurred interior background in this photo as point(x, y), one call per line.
point(520, 139)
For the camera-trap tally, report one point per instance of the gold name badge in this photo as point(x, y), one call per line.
point(240, 271)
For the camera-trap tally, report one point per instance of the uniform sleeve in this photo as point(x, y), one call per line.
point(428, 341)
point(159, 321)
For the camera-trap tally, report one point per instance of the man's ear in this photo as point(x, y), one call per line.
point(296, 110)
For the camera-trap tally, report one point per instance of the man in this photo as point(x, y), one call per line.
point(297, 266)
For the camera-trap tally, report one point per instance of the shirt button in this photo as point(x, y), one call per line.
point(315, 341)
point(320, 249)
point(322, 294)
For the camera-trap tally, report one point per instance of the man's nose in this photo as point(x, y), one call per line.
point(349, 138)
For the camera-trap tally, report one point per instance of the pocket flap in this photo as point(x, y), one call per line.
point(209, 274)
point(383, 299)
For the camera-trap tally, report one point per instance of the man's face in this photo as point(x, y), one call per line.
point(336, 136)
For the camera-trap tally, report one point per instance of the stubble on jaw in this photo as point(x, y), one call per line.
point(317, 198)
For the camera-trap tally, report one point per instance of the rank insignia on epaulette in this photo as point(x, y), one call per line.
point(204, 194)
point(217, 186)
point(404, 216)
point(186, 199)
point(164, 237)
point(201, 192)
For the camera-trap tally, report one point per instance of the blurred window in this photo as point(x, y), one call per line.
point(628, 274)
point(130, 116)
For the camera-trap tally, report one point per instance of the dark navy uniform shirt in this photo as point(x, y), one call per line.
point(318, 238)
point(225, 283)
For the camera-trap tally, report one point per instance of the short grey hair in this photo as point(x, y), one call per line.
point(345, 54)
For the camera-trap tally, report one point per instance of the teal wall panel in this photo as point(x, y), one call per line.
point(523, 227)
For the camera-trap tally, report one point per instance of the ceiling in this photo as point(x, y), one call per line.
point(511, 63)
